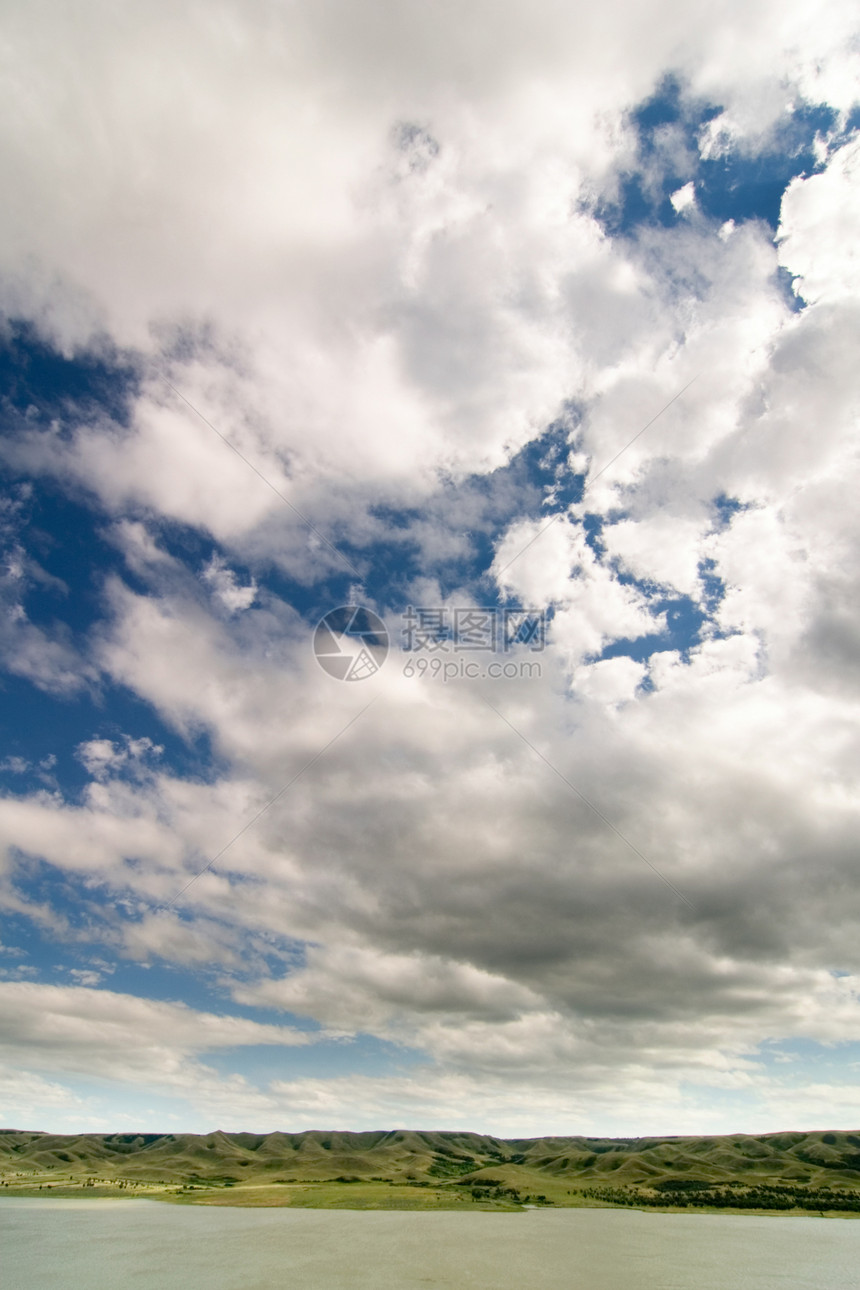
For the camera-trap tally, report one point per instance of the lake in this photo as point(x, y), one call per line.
point(87, 1245)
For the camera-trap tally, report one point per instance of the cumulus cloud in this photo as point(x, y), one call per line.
point(226, 587)
point(818, 229)
point(86, 1038)
point(17, 765)
point(356, 260)
point(78, 1030)
point(351, 316)
point(105, 757)
point(684, 197)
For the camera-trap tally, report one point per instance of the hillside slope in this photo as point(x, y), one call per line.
point(662, 1170)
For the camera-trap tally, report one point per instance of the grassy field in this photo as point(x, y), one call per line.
point(774, 1173)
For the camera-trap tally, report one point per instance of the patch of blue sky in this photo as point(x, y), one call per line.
point(76, 904)
point(592, 527)
point(102, 1106)
point(42, 384)
point(46, 958)
point(535, 484)
point(684, 620)
point(66, 534)
point(740, 1108)
point(40, 734)
point(194, 549)
point(86, 945)
point(66, 560)
point(62, 526)
point(63, 563)
point(734, 182)
point(34, 951)
point(740, 186)
point(106, 1107)
point(713, 588)
point(725, 508)
point(810, 1057)
point(64, 539)
point(781, 1067)
point(356, 1056)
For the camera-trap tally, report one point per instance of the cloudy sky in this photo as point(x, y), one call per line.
point(540, 318)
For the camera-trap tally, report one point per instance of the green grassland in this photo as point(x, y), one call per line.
point(798, 1173)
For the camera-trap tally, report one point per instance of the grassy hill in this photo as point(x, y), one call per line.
point(818, 1171)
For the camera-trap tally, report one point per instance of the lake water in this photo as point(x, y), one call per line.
point(91, 1245)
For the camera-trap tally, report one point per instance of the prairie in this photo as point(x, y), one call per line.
point(814, 1172)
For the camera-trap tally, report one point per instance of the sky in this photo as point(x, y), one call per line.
point(430, 575)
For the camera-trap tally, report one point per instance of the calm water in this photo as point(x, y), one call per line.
point(87, 1245)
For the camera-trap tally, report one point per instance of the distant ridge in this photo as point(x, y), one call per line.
point(434, 1158)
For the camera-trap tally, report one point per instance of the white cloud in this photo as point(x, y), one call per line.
point(685, 198)
point(385, 992)
point(225, 585)
point(105, 757)
point(614, 680)
point(81, 1031)
point(26, 1097)
point(17, 765)
point(665, 549)
point(357, 240)
point(111, 1057)
point(351, 321)
point(818, 229)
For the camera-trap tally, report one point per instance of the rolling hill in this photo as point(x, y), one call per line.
point(401, 1167)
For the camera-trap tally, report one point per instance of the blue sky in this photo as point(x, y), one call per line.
point(508, 337)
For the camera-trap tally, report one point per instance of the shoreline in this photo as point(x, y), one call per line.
point(448, 1204)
